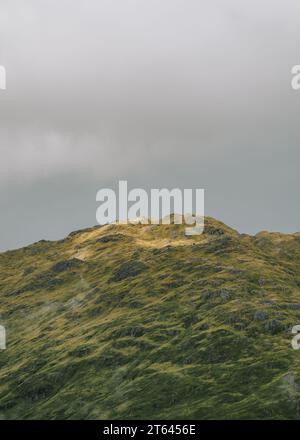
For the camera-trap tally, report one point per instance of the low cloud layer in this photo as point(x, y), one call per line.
point(163, 93)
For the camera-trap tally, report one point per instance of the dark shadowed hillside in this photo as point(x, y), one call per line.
point(143, 322)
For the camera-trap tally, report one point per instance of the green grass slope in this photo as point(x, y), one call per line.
point(139, 321)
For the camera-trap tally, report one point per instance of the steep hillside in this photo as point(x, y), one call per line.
point(142, 322)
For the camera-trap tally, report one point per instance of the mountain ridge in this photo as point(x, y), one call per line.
point(208, 219)
point(140, 321)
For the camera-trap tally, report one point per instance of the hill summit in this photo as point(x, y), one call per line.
point(141, 321)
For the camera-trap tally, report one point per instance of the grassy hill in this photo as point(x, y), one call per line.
point(142, 322)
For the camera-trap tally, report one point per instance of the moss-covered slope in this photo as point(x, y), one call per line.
point(142, 322)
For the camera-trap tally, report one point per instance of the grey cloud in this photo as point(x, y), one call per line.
point(159, 92)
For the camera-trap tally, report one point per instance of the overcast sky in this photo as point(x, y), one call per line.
point(163, 93)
